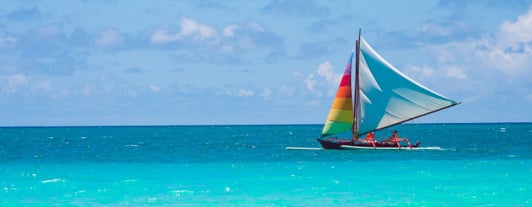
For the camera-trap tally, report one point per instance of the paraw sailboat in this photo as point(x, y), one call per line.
point(380, 97)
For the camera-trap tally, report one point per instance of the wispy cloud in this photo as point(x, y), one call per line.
point(7, 41)
point(154, 88)
point(15, 82)
point(189, 30)
point(109, 37)
point(239, 92)
point(230, 44)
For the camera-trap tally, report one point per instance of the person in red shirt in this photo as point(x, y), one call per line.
point(370, 138)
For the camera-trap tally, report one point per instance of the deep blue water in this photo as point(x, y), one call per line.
point(467, 164)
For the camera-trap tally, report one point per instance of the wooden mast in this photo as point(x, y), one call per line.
point(356, 92)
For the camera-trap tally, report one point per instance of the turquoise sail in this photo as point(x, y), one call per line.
point(388, 97)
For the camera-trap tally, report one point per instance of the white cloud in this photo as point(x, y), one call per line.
point(420, 73)
point(188, 28)
point(486, 55)
point(7, 41)
point(511, 51)
point(507, 54)
point(326, 70)
point(297, 74)
point(313, 103)
point(245, 93)
point(241, 36)
point(256, 26)
point(236, 92)
point(455, 72)
point(519, 31)
point(287, 91)
point(323, 76)
point(161, 36)
point(154, 88)
point(221, 44)
point(491, 66)
point(311, 82)
point(16, 81)
point(266, 93)
point(199, 31)
point(53, 91)
point(109, 38)
point(229, 30)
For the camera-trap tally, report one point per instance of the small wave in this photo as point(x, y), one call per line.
point(129, 180)
point(131, 145)
point(436, 148)
point(303, 148)
point(55, 180)
point(431, 148)
point(182, 192)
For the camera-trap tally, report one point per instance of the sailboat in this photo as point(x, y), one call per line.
point(380, 97)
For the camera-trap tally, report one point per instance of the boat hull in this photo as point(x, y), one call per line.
point(338, 143)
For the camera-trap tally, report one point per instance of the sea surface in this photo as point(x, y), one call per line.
point(461, 165)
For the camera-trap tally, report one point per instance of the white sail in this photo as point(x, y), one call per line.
point(388, 97)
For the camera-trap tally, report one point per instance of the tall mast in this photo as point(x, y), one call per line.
point(357, 93)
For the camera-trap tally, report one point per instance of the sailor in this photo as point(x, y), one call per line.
point(370, 137)
point(394, 139)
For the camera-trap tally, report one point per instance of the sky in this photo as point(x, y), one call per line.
point(113, 62)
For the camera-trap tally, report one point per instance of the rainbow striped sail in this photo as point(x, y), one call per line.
point(382, 96)
point(340, 117)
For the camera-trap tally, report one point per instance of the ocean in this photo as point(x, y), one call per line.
point(461, 165)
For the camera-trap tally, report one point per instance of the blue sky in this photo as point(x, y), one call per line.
point(107, 62)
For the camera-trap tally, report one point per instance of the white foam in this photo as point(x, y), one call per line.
point(55, 180)
point(390, 148)
point(303, 148)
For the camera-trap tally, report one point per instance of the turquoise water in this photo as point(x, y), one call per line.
point(464, 165)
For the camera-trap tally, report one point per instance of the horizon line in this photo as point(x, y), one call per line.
point(265, 124)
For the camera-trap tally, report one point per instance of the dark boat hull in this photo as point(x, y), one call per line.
point(337, 144)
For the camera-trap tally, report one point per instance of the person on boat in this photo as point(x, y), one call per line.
point(370, 138)
point(394, 139)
